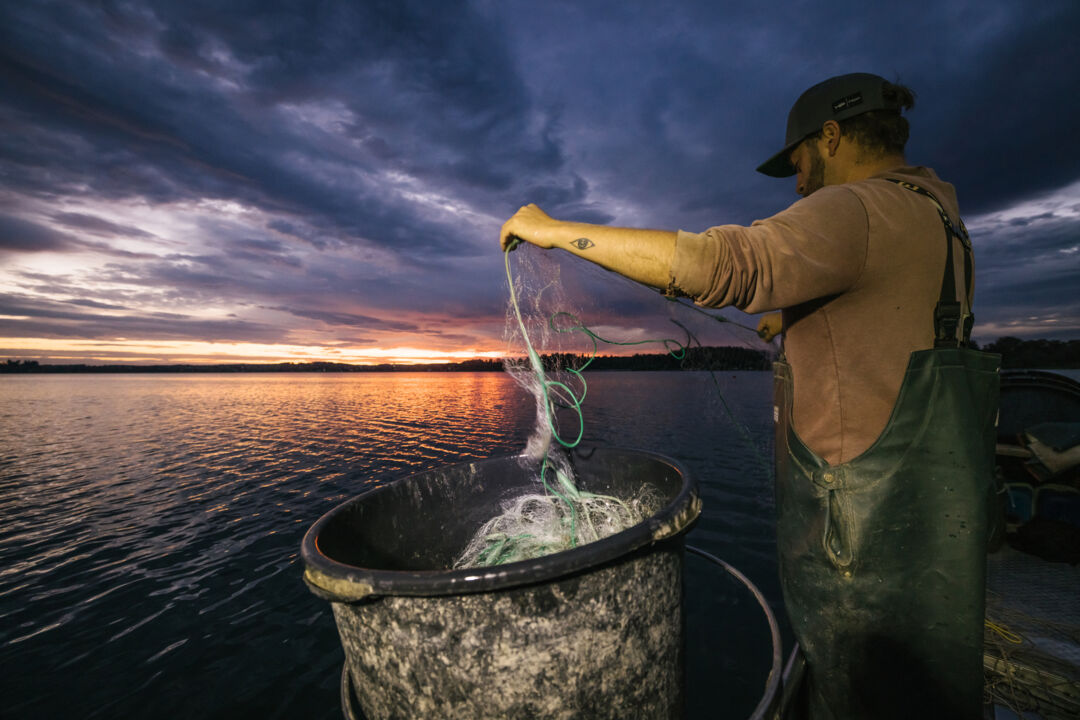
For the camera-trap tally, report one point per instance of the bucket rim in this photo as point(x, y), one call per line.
point(341, 582)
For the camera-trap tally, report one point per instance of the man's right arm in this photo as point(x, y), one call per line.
point(815, 248)
point(642, 255)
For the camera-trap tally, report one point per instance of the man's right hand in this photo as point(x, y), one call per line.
point(644, 256)
point(530, 224)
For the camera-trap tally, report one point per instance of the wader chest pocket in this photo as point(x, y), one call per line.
point(836, 538)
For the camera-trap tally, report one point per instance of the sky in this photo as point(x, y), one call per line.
point(263, 181)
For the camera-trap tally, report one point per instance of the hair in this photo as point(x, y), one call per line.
point(881, 132)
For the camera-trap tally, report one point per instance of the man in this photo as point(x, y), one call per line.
point(884, 416)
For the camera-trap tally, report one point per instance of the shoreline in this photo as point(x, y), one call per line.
point(699, 358)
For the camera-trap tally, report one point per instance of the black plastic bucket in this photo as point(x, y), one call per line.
point(596, 631)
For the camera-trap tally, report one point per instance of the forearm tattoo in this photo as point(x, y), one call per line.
point(583, 243)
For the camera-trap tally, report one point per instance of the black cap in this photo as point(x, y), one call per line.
point(837, 98)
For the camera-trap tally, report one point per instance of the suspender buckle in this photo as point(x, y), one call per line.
point(947, 318)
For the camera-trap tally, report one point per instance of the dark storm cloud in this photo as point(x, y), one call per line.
point(98, 226)
point(18, 235)
point(430, 84)
point(1029, 267)
point(349, 319)
point(21, 235)
point(94, 304)
point(712, 92)
point(351, 162)
point(71, 288)
point(1008, 127)
point(1054, 291)
point(261, 250)
point(31, 317)
point(1040, 239)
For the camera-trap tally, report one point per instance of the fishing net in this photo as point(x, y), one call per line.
point(539, 524)
point(1030, 663)
point(549, 347)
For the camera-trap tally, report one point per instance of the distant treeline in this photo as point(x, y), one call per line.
point(1039, 354)
point(33, 366)
point(695, 358)
point(1016, 353)
point(699, 358)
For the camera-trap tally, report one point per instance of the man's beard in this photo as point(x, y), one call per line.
point(815, 179)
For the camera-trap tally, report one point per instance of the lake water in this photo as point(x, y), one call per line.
point(149, 550)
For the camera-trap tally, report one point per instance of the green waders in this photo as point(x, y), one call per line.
point(883, 557)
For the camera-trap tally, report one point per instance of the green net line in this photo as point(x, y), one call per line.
point(711, 316)
point(552, 390)
point(555, 393)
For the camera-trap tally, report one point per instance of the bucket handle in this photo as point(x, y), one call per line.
point(348, 709)
point(336, 589)
point(768, 701)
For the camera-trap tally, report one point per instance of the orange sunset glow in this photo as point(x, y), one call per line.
point(196, 353)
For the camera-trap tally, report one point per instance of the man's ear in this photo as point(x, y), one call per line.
point(830, 132)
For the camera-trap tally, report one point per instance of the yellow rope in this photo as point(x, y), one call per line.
point(1003, 630)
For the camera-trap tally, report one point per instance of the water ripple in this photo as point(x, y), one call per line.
point(149, 551)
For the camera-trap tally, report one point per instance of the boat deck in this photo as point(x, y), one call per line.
point(1032, 656)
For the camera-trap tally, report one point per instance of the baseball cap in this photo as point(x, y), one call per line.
point(837, 98)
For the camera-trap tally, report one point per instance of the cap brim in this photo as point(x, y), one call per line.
point(779, 165)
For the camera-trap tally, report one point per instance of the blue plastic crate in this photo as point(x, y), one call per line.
point(1058, 502)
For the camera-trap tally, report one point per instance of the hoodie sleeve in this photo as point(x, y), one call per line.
point(815, 248)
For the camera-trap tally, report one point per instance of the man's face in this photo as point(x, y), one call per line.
point(809, 167)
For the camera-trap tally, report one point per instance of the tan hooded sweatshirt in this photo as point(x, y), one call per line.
point(857, 270)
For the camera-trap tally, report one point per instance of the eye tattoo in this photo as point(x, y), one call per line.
point(583, 243)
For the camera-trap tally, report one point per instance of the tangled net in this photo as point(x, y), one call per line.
point(557, 516)
point(535, 524)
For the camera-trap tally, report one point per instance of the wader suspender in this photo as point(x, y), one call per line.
point(889, 611)
point(949, 315)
